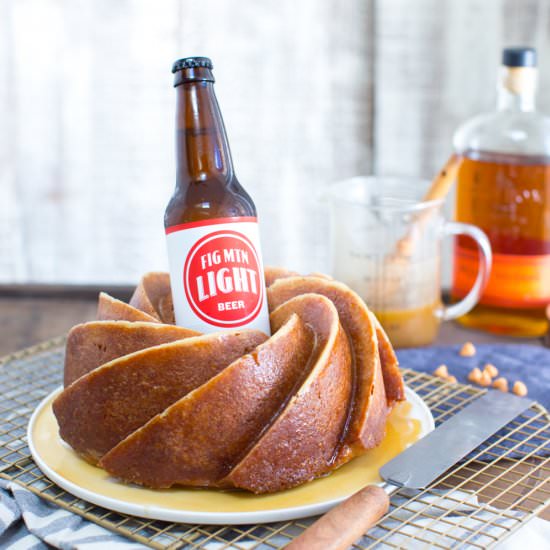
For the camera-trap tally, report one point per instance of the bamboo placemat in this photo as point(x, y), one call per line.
point(481, 501)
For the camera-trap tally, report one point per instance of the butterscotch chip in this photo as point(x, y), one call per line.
point(520, 389)
point(491, 370)
point(475, 375)
point(441, 371)
point(484, 380)
point(501, 384)
point(468, 350)
point(451, 379)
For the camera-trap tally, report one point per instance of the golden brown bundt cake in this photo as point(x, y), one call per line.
point(161, 405)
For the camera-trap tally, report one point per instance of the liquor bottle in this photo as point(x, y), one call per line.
point(503, 186)
point(216, 269)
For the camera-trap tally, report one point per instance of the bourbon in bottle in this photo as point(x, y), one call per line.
point(503, 186)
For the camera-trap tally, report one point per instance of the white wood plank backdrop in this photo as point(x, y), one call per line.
point(311, 91)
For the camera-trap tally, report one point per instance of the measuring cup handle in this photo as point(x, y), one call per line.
point(486, 258)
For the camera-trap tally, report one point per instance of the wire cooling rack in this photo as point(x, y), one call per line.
point(478, 503)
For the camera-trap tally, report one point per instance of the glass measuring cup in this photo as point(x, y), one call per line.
point(386, 245)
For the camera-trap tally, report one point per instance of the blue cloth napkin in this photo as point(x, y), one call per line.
point(29, 523)
point(529, 364)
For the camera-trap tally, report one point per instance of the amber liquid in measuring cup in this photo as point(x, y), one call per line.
point(411, 327)
point(508, 196)
point(386, 245)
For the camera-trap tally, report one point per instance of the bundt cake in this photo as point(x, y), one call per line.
point(161, 405)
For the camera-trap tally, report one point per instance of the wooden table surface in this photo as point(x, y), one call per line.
point(30, 315)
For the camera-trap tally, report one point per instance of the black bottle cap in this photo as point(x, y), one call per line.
point(519, 57)
point(192, 63)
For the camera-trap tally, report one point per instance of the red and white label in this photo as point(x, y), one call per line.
point(217, 275)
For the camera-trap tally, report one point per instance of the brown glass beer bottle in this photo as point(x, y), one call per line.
point(216, 269)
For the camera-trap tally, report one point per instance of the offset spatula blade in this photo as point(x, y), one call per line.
point(431, 456)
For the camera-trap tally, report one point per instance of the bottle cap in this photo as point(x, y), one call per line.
point(519, 57)
point(192, 63)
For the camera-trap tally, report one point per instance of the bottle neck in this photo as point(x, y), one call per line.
point(517, 89)
point(202, 149)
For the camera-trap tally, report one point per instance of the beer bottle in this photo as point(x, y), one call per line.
point(211, 226)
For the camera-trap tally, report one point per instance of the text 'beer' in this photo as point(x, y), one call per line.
point(216, 269)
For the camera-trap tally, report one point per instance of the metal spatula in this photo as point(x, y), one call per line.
point(414, 468)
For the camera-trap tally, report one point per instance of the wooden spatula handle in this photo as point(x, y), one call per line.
point(339, 528)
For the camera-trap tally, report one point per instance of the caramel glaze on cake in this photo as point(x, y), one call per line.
point(160, 405)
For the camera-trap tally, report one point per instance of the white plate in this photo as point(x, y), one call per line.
point(408, 422)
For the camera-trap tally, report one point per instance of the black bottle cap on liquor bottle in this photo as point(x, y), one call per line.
point(192, 63)
point(519, 57)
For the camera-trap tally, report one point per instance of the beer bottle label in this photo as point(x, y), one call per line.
point(217, 275)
